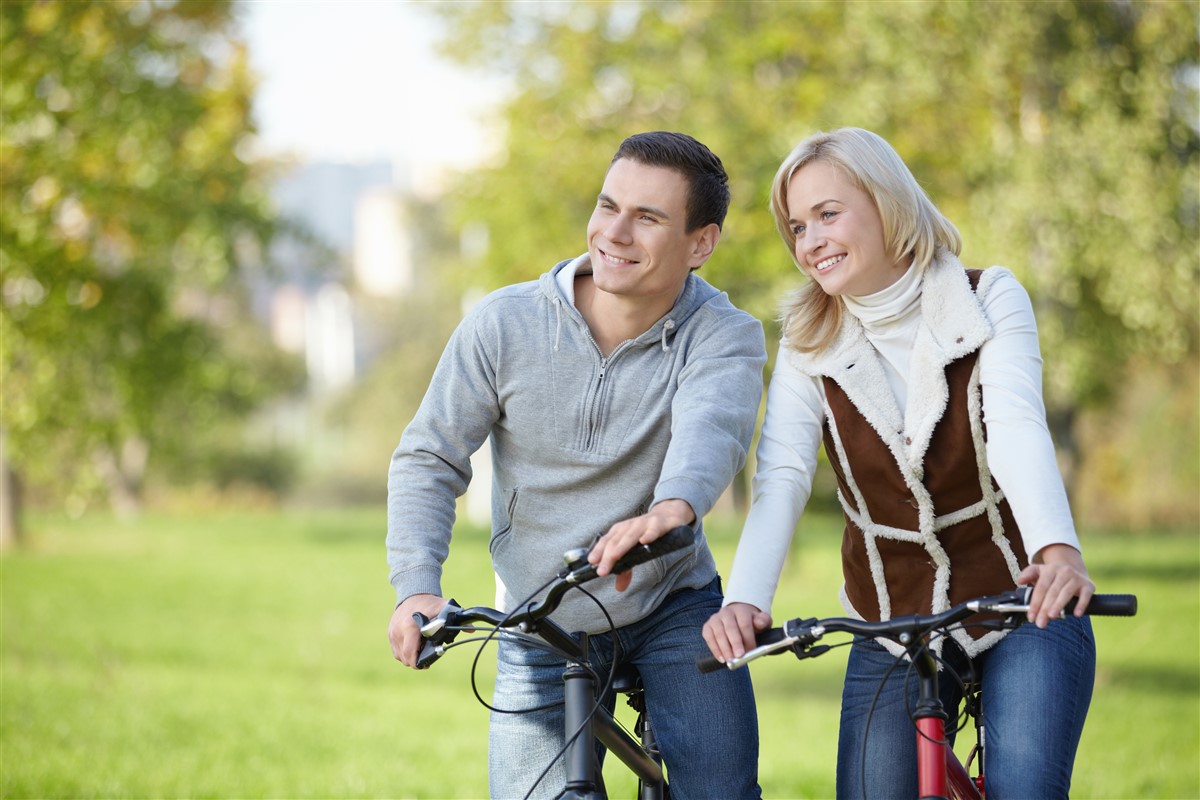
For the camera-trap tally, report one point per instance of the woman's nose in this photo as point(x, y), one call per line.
point(810, 241)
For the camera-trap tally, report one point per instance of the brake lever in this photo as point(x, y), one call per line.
point(802, 652)
point(1009, 622)
point(437, 633)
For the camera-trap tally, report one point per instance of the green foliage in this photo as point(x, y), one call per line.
point(130, 204)
point(260, 667)
point(405, 335)
point(365, 423)
point(1061, 137)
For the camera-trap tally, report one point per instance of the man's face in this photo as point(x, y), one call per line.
point(636, 237)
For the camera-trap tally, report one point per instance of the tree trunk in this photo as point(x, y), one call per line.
point(124, 472)
point(1062, 430)
point(10, 500)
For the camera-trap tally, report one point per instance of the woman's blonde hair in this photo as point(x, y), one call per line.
point(912, 225)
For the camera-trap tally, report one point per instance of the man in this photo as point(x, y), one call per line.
point(620, 392)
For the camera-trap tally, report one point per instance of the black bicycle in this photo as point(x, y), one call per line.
point(587, 721)
point(940, 773)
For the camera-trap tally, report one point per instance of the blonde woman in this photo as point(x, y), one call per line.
point(923, 381)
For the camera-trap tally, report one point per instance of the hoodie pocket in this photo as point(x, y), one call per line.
point(503, 526)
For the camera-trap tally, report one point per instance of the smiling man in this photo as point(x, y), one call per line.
point(619, 392)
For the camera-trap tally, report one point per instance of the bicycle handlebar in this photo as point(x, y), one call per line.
point(441, 630)
point(799, 635)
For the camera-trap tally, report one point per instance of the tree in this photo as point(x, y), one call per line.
point(1060, 136)
point(131, 202)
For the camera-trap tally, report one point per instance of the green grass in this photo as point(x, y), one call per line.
point(245, 655)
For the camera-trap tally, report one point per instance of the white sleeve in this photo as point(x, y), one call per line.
point(1020, 451)
point(787, 460)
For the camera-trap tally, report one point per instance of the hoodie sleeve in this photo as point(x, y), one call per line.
point(714, 410)
point(431, 467)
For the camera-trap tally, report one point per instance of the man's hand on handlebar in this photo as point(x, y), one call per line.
point(1058, 574)
point(403, 632)
point(624, 536)
point(730, 632)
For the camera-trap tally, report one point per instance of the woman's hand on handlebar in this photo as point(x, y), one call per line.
point(730, 632)
point(624, 536)
point(1058, 574)
point(403, 632)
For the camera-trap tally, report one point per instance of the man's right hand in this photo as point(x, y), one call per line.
point(731, 631)
point(403, 632)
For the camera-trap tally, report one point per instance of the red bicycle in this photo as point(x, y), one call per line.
point(940, 773)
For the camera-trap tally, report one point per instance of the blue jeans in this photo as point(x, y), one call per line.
point(706, 725)
point(1037, 685)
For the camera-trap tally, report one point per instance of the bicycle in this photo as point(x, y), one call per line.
point(940, 773)
point(587, 721)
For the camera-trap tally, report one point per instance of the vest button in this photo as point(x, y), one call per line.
point(908, 440)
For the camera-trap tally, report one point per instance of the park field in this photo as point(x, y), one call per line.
point(244, 655)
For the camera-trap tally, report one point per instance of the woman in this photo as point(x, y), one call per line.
point(923, 379)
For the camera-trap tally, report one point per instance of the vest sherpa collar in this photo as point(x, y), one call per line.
point(952, 325)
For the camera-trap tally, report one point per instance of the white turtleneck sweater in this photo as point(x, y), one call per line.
point(1020, 452)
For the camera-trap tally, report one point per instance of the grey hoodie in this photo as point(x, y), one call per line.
point(579, 442)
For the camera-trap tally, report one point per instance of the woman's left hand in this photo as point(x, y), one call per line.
point(1057, 574)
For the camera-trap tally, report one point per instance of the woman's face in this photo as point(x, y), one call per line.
point(839, 233)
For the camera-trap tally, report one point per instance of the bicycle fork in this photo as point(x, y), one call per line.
point(585, 721)
point(930, 719)
point(939, 775)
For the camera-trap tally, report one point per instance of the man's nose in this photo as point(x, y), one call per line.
point(620, 229)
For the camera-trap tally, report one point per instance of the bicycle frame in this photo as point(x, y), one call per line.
point(940, 773)
point(586, 720)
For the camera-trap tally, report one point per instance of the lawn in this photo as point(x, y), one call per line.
point(245, 655)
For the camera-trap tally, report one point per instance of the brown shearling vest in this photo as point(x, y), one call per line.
point(892, 567)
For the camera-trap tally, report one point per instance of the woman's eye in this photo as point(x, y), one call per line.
point(797, 230)
point(828, 214)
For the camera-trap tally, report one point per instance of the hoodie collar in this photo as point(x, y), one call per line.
point(559, 284)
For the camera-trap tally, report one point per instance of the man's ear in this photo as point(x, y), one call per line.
point(704, 243)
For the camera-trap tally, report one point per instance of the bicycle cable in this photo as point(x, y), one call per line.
point(495, 633)
point(862, 778)
point(941, 662)
point(599, 702)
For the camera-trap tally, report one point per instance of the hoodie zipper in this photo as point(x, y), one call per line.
point(594, 408)
point(593, 420)
point(592, 434)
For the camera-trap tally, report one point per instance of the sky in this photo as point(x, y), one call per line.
point(358, 80)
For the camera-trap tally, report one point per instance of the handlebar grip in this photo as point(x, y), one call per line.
point(770, 636)
point(672, 540)
point(1109, 605)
